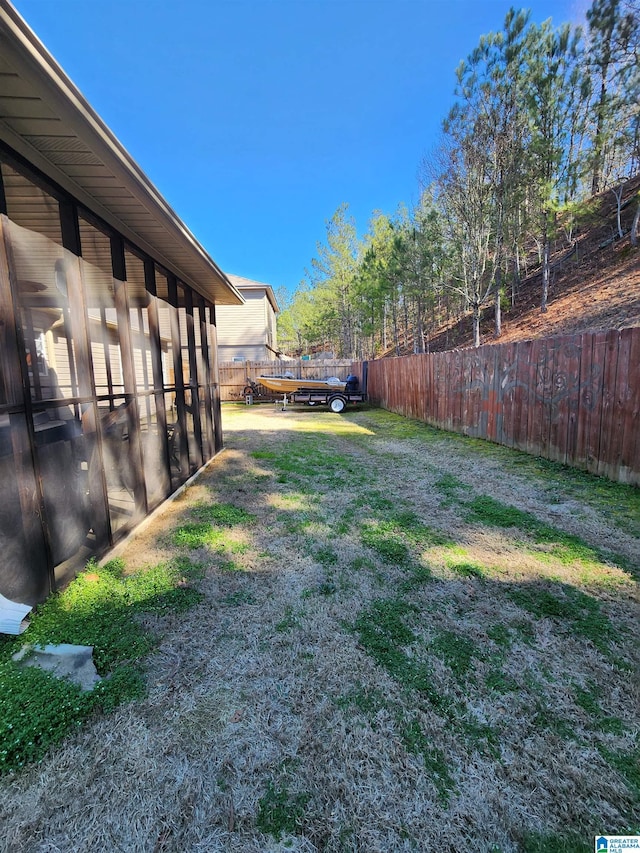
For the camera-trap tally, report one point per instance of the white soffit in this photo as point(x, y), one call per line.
point(45, 118)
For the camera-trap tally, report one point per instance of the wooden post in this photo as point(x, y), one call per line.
point(128, 370)
point(193, 375)
point(183, 447)
point(156, 364)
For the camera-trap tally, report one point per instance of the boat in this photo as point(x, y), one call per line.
point(289, 385)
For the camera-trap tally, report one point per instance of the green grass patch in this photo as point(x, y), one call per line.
point(367, 700)
point(449, 486)
point(499, 682)
point(573, 609)
point(310, 463)
point(230, 566)
point(280, 811)
point(420, 535)
point(383, 538)
point(383, 632)
point(264, 454)
point(466, 570)
point(456, 651)
point(544, 717)
point(481, 736)
point(238, 598)
point(326, 556)
point(198, 535)
point(565, 547)
point(391, 426)
point(289, 621)
point(620, 502)
point(226, 515)
point(551, 842)
point(587, 699)
point(500, 635)
point(416, 742)
point(492, 512)
point(301, 520)
point(97, 609)
point(395, 539)
point(418, 577)
point(374, 501)
point(627, 764)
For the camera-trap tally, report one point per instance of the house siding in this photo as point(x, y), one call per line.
point(247, 331)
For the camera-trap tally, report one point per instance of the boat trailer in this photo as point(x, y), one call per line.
point(336, 400)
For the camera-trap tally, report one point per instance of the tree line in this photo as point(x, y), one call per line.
point(544, 116)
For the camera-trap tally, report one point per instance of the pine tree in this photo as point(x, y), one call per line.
point(556, 95)
point(614, 66)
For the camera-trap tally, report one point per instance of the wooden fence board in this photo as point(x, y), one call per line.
point(535, 407)
point(545, 392)
point(432, 390)
point(509, 371)
point(620, 392)
point(417, 390)
point(572, 361)
point(596, 380)
point(521, 392)
point(612, 340)
point(437, 402)
point(630, 446)
point(474, 394)
point(557, 402)
point(457, 383)
point(494, 412)
point(585, 400)
point(448, 404)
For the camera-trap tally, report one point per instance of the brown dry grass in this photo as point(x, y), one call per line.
point(267, 680)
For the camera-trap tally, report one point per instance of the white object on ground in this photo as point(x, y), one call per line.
point(12, 614)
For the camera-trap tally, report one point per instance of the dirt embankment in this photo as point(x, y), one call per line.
point(595, 286)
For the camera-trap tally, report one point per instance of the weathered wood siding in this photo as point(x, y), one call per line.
point(573, 399)
point(233, 375)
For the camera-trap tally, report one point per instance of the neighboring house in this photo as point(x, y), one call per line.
point(248, 332)
point(109, 397)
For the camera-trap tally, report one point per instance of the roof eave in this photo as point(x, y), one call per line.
point(40, 68)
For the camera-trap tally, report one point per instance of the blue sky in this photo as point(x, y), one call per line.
point(256, 119)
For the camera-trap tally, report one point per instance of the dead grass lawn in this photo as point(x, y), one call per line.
point(379, 659)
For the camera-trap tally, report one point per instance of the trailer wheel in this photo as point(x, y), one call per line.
point(337, 404)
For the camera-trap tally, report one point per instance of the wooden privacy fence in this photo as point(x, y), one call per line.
point(572, 399)
point(234, 374)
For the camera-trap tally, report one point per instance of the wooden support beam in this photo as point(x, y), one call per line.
point(193, 376)
point(183, 447)
point(156, 363)
point(128, 370)
point(3, 197)
point(69, 226)
point(206, 379)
